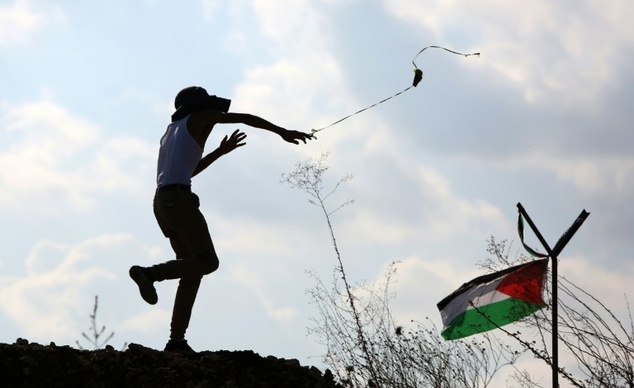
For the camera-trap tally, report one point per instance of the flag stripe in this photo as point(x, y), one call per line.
point(472, 296)
point(488, 317)
point(526, 283)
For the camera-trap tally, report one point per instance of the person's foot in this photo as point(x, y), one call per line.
point(142, 278)
point(180, 346)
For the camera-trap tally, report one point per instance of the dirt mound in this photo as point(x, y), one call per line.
point(25, 364)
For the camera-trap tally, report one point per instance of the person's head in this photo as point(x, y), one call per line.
point(195, 99)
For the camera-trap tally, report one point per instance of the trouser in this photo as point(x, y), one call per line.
point(178, 215)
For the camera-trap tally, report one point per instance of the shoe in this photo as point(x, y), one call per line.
point(146, 285)
point(180, 346)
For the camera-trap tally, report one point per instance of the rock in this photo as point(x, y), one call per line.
point(292, 362)
point(21, 342)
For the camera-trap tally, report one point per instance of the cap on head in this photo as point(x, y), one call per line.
point(195, 99)
point(190, 94)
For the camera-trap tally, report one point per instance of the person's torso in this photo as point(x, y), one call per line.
point(179, 155)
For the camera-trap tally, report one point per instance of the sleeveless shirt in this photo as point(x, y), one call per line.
point(179, 155)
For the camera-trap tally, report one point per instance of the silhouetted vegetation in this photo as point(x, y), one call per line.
point(95, 336)
point(367, 347)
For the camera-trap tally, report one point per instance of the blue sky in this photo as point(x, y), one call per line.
point(542, 117)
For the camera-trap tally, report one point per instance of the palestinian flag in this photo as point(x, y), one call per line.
point(494, 300)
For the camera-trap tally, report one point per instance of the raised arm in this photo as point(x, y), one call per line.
point(227, 145)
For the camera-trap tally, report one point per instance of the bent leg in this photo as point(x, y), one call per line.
point(190, 267)
point(195, 255)
point(187, 264)
point(185, 226)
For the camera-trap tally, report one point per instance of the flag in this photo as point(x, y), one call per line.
point(494, 300)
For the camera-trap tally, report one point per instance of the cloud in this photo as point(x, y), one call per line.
point(41, 140)
point(152, 320)
point(301, 81)
point(252, 280)
point(210, 8)
point(60, 281)
point(21, 20)
point(58, 162)
point(57, 276)
point(17, 22)
point(406, 200)
point(553, 54)
point(256, 236)
point(295, 25)
point(609, 285)
point(590, 175)
point(289, 85)
point(420, 283)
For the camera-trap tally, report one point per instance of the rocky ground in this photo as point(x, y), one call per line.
point(25, 364)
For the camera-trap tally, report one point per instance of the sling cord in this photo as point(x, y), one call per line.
point(418, 76)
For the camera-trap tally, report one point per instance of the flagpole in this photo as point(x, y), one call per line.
point(555, 317)
point(559, 246)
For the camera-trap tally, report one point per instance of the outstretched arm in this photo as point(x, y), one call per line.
point(227, 145)
point(210, 118)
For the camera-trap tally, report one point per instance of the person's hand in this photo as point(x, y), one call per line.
point(232, 142)
point(294, 136)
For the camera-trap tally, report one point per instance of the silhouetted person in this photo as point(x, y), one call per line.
point(177, 209)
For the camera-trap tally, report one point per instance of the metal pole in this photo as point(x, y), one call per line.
point(555, 317)
point(555, 345)
point(553, 253)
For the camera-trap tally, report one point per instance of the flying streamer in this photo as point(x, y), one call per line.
point(418, 76)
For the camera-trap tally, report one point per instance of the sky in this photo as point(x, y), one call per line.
point(542, 117)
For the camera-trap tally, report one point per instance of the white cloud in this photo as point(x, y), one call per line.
point(252, 279)
point(20, 20)
point(59, 282)
point(305, 79)
point(17, 21)
point(151, 320)
point(52, 288)
point(59, 161)
point(609, 285)
point(420, 283)
point(210, 8)
point(290, 86)
point(256, 236)
point(590, 175)
point(293, 24)
point(554, 54)
point(118, 166)
point(409, 200)
point(43, 138)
